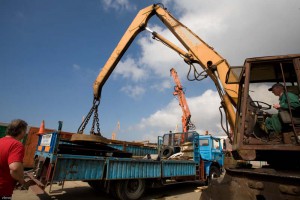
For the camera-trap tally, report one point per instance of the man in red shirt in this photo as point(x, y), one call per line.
point(11, 158)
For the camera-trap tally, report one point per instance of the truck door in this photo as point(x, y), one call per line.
point(217, 153)
point(205, 148)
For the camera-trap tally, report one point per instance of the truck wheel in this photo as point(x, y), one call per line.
point(132, 189)
point(214, 172)
point(166, 152)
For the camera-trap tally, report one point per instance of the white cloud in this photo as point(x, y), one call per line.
point(118, 5)
point(134, 92)
point(237, 34)
point(130, 70)
point(76, 67)
point(226, 26)
point(166, 84)
point(159, 58)
point(204, 110)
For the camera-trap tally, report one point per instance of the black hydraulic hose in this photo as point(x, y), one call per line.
point(225, 130)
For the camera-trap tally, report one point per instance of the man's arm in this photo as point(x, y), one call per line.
point(17, 172)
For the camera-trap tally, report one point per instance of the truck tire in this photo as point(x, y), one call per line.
point(166, 152)
point(131, 189)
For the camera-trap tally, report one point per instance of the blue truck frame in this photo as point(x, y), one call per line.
point(124, 177)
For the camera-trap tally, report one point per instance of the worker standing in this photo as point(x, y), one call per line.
point(11, 158)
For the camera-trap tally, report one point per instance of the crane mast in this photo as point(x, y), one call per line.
point(186, 114)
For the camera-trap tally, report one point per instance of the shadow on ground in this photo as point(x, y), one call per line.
point(178, 191)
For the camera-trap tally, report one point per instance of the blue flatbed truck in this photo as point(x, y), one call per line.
point(114, 171)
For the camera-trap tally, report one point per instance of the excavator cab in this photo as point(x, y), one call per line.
point(255, 103)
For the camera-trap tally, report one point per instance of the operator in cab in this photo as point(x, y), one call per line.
point(273, 124)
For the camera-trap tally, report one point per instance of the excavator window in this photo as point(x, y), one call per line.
point(271, 72)
point(234, 75)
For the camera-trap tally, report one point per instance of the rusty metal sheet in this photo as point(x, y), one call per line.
point(88, 138)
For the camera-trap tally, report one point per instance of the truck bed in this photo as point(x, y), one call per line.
point(79, 167)
point(67, 161)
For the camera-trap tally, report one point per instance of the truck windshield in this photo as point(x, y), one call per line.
point(204, 142)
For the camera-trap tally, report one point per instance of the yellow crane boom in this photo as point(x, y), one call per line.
point(197, 51)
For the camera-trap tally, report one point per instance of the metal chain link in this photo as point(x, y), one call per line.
point(95, 119)
point(85, 122)
point(92, 132)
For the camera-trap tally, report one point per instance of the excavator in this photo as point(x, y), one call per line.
point(244, 105)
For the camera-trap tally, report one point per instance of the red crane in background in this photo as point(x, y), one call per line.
point(186, 114)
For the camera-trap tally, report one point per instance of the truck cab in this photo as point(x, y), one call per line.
point(193, 146)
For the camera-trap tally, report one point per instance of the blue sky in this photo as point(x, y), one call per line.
point(52, 51)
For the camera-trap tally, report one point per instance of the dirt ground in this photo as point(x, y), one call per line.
point(77, 190)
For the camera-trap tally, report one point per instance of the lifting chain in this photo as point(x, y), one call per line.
point(95, 119)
